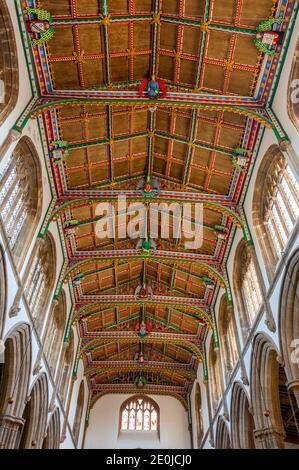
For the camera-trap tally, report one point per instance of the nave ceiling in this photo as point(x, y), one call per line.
point(218, 84)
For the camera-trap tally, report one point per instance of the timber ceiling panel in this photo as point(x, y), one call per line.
point(101, 50)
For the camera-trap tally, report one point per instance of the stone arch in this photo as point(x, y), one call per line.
point(292, 98)
point(66, 368)
point(21, 182)
point(242, 424)
point(222, 435)
point(79, 413)
point(35, 415)
point(264, 386)
point(289, 323)
point(245, 271)
point(53, 337)
point(273, 222)
point(42, 266)
point(9, 72)
point(198, 413)
point(3, 289)
point(215, 374)
point(227, 336)
point(14, 383)
point(52, 439)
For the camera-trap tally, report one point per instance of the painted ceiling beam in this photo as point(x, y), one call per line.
point(146, 367)
point(179, 257)
point(102, 365)
point(182, 341)
point(187, 313)
point(128, 97)
point(107, 19)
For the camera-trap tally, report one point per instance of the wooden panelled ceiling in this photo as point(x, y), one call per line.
point(194, 46)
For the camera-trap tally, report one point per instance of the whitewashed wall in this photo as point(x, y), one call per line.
point(103, 429)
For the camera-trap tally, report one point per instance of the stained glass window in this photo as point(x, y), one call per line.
point(140, 414)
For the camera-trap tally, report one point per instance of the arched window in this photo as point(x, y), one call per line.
point(54, 335)
point(246, 286)
point(275, 206)
point(215, 374)
point(139, 413)
point(66, 369)
point(9, 76)
point(79, 413)
point(20, 196)
point(198, 410)
point(227, 337)
point(40, 279)
point(293, 108)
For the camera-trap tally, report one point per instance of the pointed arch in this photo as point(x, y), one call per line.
point(275, 207)
point(35, 415)
point(40, 279)
point(222, 435)
point(21, 197)
point(9, 71)
point(246, 286)
point(242, 426)
point(289, 322)
point(52, 439)
point(139, 413)
point(264, 390)
point(215, 374)
point(14, 383)
point(227, 337)
point(66, 368)
point(53, 338)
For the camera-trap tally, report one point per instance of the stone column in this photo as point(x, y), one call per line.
point(10, 427)
point(12, 137)
point(269, 438)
